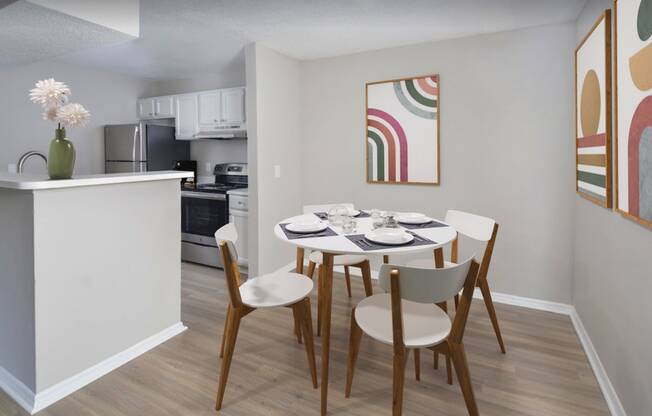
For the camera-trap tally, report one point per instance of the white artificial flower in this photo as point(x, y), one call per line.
point(50, 114)
point(73, 115)
point(49, 93)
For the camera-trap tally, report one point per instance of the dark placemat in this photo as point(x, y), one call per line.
point(328, 232)
point(366, 245)
point(431, 224)
point(324, 215)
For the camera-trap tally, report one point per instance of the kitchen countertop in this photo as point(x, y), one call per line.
point(31, 182)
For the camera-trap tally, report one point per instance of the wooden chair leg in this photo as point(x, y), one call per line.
point(347, 276)
point(449, 371)
point(463, 376)
point(234, 326)
point(303, 312)
point(444, 307)
point(486, 295)
point(226, 326)
point(297, 323)
point(417, 364)
point(311, 269)
point(320, 282)
point(435, 363)
point(354, 348)
point(398, 383)
point(457, 301)
point(365, 268)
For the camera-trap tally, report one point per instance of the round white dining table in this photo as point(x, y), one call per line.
point(341, 244)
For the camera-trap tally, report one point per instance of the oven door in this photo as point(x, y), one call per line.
point(201, 215)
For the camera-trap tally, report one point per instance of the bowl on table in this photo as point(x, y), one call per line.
point(413, 218)
point(389, 236)
point(306, 225)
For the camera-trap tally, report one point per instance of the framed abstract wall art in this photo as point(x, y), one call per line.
point(402, 131)
point(593, 114)
point(634, 109)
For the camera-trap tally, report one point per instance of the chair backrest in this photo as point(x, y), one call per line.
point(226, 237)
point(471, 225)
point(405, 282)
point(309, 209)
point(478, 228)
point(429, 285)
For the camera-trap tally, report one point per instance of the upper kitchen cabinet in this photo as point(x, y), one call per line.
point(222, 108)
point(209, 109)
point(186, 120)
point(232, 106)
point(158, 107)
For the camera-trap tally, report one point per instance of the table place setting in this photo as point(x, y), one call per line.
point(416, 220)
point(384, 238)
point(307, 227)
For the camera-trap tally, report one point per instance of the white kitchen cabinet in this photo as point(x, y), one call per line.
point(232, 106)
point(164, 107)
point(146, 108)
point(209, 109)
point(157, 107)
point(186, 116)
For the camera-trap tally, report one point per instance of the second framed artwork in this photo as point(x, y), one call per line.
point(402, 131)
point(593, 113)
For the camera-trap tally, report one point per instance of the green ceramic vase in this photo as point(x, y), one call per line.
point(61, 158)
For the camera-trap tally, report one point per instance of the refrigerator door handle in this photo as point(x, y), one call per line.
point(133, 149)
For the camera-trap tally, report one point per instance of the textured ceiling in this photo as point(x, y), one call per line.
point(183, 38)
point(29, 33)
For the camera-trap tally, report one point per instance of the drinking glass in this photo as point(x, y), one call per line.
point(390, 220)
point(348, 224)
point(377, 220)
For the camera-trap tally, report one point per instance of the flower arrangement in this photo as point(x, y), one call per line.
point(53, 97)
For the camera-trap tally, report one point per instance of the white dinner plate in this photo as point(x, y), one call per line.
point(413, 218)
point(354, 212)
point(306, 227)
point(389, 236)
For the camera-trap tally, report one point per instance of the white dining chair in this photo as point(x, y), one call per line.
point(290, 290)
point(315, 259)
point(407, 318)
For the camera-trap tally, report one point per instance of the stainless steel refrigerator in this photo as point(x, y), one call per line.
point(142, 147)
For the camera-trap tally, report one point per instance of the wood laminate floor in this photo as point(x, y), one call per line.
point(544, 372)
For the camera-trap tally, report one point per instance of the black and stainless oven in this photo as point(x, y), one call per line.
point(205, 209)
point(202, 213)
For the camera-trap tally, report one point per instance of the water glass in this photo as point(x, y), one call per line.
point(377, 220)
point(348, 224)
point(390, 220)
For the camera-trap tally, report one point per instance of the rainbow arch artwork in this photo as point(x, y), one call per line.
point(402, 131)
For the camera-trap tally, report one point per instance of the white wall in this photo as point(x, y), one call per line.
point(206, 152)
point(612, 283)
point(110, 98)
point(274, 120)
point(505, 148)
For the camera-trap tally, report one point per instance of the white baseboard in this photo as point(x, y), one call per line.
point(615, 406)
point(608, 391)
point(18, 391)
point(35, 402)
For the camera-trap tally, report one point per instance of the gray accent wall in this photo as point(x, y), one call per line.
point(612, 282)
point(506, 147)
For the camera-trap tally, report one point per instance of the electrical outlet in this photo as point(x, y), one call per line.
point(277, 171)
point(12, 168)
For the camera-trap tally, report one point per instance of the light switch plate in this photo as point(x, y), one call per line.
point(277, 171)
point(209, 168)
point(11, 168)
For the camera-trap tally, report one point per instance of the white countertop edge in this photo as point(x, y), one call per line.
point(27, 182)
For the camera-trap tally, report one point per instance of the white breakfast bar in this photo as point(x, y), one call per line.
point(90, 274)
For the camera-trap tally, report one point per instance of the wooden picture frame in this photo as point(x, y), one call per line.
point(593, 129)
point(399, 138)
point(633, 92)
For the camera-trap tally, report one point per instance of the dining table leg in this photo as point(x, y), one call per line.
point(327, 297)
point(299, 265)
